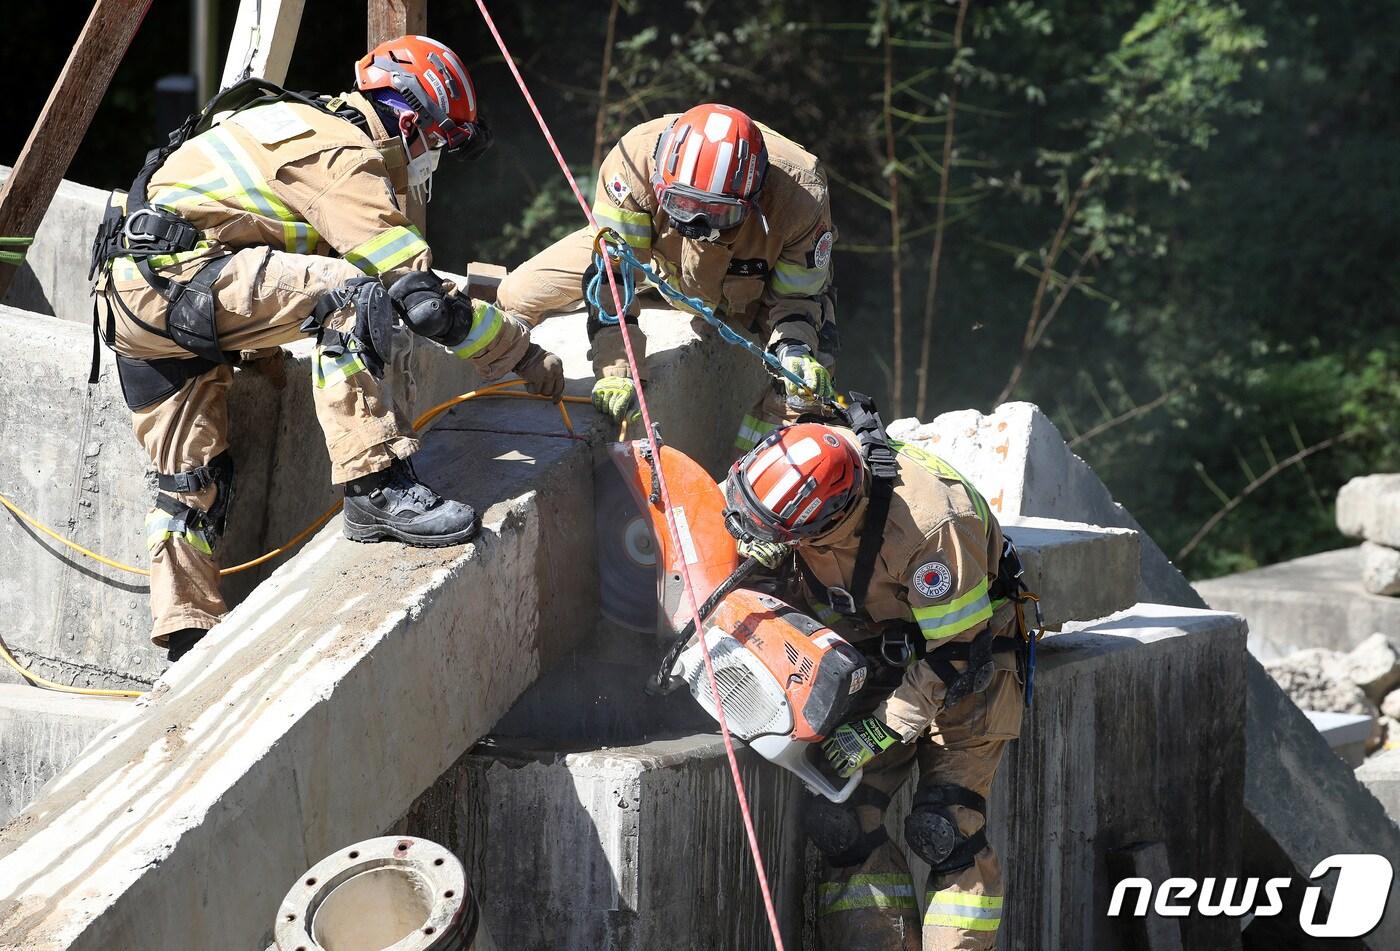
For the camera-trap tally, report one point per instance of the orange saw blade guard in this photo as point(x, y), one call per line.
point(636, 545)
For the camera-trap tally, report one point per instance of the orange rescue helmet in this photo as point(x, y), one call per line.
point(798, 482)
point(429, 79)
point(709, 164)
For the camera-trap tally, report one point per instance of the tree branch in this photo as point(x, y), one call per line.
point(1120, 419)
point(600, 123)
point(891, 159)
point(940, 221)
point(1258, 481)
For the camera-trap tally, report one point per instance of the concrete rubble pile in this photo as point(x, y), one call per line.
point(1364, 682)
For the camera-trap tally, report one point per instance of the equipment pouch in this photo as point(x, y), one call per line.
point(191, 319)
point(147, 382)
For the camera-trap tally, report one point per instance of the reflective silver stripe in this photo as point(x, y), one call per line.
point(965, 911)
point(751, 430)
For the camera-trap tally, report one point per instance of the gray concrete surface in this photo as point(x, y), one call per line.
point(1314, 601)
point(53, 278)
point(1303, 805)
point(1381, 776)
point(1346, 733)
point(630, 848)
point(1018, 459)
point(40, 734)
point(1369, 507)
point(1136, 733)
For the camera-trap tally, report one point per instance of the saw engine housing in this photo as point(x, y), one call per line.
point(785, 682)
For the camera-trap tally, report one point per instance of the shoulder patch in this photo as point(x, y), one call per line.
point(933, 580)
point(272, 124)
point(618, 189)
point(820, 255)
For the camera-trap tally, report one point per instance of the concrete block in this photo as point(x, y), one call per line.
point(312, 716)
point(1304, 804)
point(629, 848)
point(1369, 507)
point(1381, 776)
point(1314, 601)
point(40, 734)
point(1346, 733)
point(1018, 459)
point(1136, 734)
point(1081, 572)
point(1374, 666)
point(1380, 569)
point(53, 278)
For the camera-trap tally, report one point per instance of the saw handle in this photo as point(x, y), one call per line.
point(663, 681)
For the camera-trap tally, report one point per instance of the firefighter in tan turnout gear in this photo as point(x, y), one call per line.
point(899, 553)
point(725, 210)
point(272, 216)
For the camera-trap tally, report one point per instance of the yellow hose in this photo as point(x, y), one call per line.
point(505, 389)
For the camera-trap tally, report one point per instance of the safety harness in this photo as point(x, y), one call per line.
point(903, 643)
point(142, 231)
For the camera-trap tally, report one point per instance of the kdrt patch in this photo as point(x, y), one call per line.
point(618, 189)
point(933, 580)
point(820, 255)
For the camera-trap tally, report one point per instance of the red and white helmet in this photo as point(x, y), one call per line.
point(430, 80)
point(709, 164)
point(797, 483)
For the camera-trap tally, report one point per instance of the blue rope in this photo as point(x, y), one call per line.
point(627, 289)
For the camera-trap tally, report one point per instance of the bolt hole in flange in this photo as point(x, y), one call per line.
point(391, 892)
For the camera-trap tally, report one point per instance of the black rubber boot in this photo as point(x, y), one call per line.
point(393, 504)
point(178, 644)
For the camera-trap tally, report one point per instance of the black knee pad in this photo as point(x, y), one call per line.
point(834, 827)
point(372, 337)
point(218, 473)
point(932, 832)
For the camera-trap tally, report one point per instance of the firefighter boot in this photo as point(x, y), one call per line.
point(393, 504)
point(181, 642)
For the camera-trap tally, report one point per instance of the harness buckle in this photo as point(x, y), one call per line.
point(895, 647)
point(841, 600)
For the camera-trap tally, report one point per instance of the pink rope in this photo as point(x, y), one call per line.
point(661, 483)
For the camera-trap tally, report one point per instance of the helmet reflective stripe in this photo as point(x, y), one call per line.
point(686, 176)
point(721, 172)
point(775, 495)
point(717, 126)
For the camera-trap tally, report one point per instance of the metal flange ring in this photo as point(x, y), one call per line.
point(393, 892)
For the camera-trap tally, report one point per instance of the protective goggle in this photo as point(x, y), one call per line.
point(466, 140)
point(685, 204)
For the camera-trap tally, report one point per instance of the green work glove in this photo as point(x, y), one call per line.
point(616, 398)
point(767, 554)
point(856, 743)
point(797, 359)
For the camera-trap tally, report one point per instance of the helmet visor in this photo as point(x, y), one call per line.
point(685, 204)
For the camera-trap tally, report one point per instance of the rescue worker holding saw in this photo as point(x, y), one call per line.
point(727, 211)
point(892, 548)
point(268, 217)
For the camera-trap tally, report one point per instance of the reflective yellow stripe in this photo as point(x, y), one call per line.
point(486, 327)
point(883, 890)
point(387, 250)
point(167, 260)
point(943, 470)
point(751, 431)
point(327, 370)
point(945, 620)
point(954, 909)
point(634, 226)
point(794, 279)
point(249, 191)
point(161, 525)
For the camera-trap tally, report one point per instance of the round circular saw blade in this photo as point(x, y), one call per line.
point(627, 552)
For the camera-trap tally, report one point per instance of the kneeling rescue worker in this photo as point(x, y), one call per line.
point(900, 554)
point(270, 216)
point(725, 210)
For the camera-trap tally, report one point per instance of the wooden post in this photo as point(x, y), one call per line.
point(388, 19)
point(263, 47)
point(52, 142)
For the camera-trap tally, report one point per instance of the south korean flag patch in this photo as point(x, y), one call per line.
point(618, 189)
point(933, 580)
